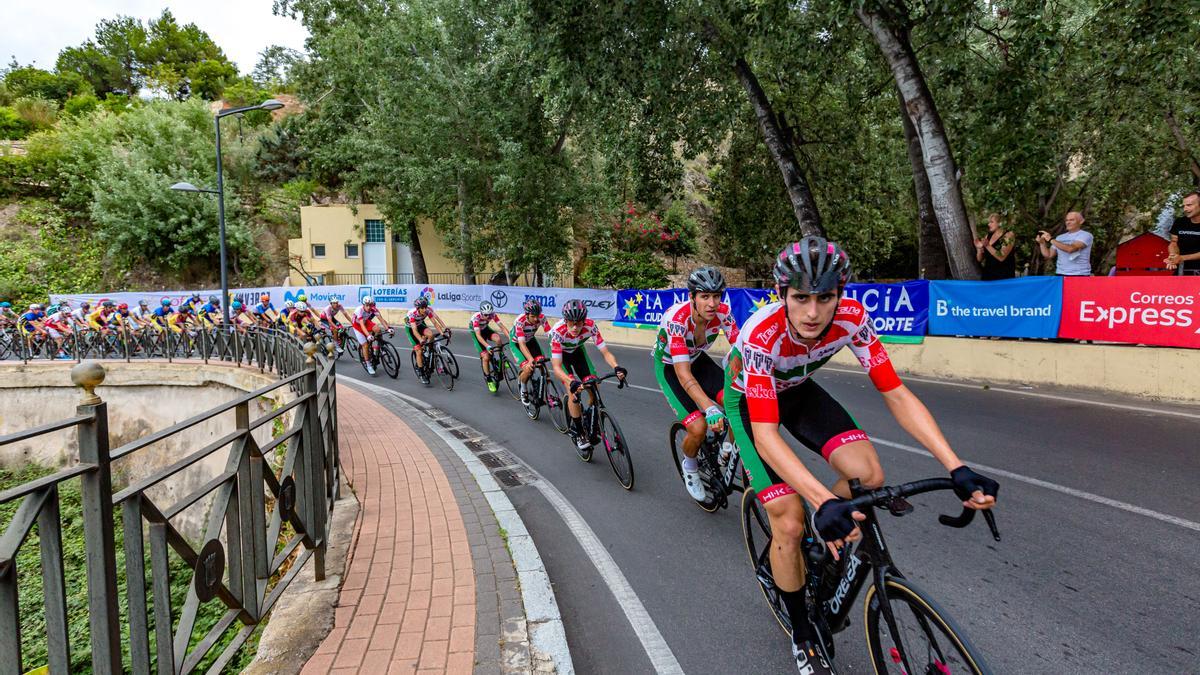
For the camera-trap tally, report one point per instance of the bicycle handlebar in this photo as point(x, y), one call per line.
point(595, 381)
point(884, 497)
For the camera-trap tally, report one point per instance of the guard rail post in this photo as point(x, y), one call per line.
point(314, 461)
point(96, 497)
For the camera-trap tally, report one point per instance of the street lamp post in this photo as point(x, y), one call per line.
point(269, 104)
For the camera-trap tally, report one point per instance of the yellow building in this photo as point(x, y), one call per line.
point(338, 245)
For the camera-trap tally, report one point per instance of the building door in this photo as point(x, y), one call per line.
point(375, 254)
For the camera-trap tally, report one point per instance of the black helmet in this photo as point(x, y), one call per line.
point(532, 306)
point(812, 265)
point(706, 280)
point(421, 302)
point(574, 310)
point(213, 299)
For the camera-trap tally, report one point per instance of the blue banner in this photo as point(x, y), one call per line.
point(895, 309)
point(646, 307)
point(1026, 307)
point(745, 301)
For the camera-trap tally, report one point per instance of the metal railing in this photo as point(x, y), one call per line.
point(241, 563)
point(382, 279)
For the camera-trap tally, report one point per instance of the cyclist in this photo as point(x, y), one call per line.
point(193, 302)
point(571, 364)
point(302, 321)
point(208, 315)
point(288, 306)
point(142, 315)
point(240, 317)
point(687, 375)
point(523, 344)
point(124, 319)
point(364, 325)
point(482, 333)
point(7, 316)
point(162, 314)
point(419, 332)
point(264, 311)
point(329, 319)
point(58, 326)
point(30, 323)
point(99, 319)
point(182, 319)
point(767, 384)
point(79, 316)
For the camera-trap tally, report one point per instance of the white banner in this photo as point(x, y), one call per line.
point(507, 299)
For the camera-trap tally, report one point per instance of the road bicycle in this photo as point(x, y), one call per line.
point(501, 367)
point(720, 467)
point(542, 390)
point(380, 352)
point(906, 630)
point(439, 361)
point(600, 427)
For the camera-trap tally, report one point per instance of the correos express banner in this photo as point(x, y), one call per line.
point(1142, 310)
point(1025, 307)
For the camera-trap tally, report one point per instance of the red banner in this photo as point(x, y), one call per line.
point(1139, 310)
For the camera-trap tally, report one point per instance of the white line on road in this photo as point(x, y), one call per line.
point(991, 470)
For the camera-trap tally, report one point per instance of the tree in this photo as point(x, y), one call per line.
point(30, 82)
point(101, 69)
point(275, 65)
point(122, 39)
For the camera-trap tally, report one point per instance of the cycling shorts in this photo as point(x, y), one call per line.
point(535, 349)
point(809, 414)
point(487, 334)
point(358, 331)
point(707, 373)
point(413, 331)
point(578, 363)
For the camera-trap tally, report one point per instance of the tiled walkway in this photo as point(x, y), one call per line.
point(409, 598)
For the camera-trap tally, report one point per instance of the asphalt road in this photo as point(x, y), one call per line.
point(1097, 570)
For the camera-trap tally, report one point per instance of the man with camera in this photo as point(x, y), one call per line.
point(1072, 249)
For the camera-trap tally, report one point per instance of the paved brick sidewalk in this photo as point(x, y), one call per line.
point(408, 602)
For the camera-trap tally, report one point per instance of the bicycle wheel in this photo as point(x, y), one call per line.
point(391, 360)
point(557, 404)
point(412, 356)
point(533, 408)
point(928, 637)
point(677, 434)
point(451, 361)
point(441, 368)
point(617, 448)
point(510, 373)
point(756, 530)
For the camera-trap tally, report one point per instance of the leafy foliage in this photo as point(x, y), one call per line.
point(49, 254)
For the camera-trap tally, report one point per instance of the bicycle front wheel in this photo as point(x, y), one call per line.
point(924, 635)
point(391, 360)
point(451, 361)
point(617, 448)
point(679, 432)
point(441, 368)
point(510, 372)
point(557, 404)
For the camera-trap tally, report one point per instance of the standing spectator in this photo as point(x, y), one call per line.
point(1073, 248)
point(1185, 237)
point(994, 251)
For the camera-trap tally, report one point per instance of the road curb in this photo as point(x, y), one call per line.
point(547, 635)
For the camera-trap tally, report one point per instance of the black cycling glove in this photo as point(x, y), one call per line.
point(833, 520)
point(621, 372)
point(576, 385)
point(966, 482)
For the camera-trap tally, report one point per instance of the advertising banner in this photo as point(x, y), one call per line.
point(1025, 307)
point(1141, 310)
point(895, 309)
point(601, 304)
point(645, 307)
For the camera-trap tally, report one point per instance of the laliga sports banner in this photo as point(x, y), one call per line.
point(1024, 307)
point(1142, 310)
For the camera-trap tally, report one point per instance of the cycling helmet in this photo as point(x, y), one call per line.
point(141, 303)
point(302, 306)
point(706, 280)
point(34, 307)
point(265, 297)
point(574, 310)
point(302, 298)
point(196, 297)
point(87, 305)
point(64, 306)
point(289, 304)
point(5, 304)
point(486, 307)
point(368, 300)
point(237, 305)
point(108, 303)
point(532, 306)
point(185, 308)
point(334, 301)
point(421, 302)
point(213, 299)
point(122, 307)
point(165, 302)
point(812, 265)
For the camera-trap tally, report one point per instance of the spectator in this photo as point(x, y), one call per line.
point(1185, 237)
point(1073, 248)
point(994, 251)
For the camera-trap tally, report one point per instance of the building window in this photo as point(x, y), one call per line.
point(351, 250)
point(318, 250)
point(375, 230)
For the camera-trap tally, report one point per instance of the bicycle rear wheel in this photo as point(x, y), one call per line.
point(926, 636)
point(617, 449)
point(391, 360)
point(678, 433)
point(557, 404)
point(756, 530)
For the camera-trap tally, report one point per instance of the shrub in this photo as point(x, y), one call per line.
point(620, 269)
point(81, 104)
point(38, 113)
point(12, 127)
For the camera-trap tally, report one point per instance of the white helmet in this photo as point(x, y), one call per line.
point(368, 300)
point(301, 306)
point(289, 304)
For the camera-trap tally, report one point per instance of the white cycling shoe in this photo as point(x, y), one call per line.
point(809, 660)
point(694, 484)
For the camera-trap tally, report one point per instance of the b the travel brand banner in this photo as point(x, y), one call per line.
point(1142, 310)
point(1025, 307)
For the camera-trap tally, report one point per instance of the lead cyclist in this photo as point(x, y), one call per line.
point(768, 385)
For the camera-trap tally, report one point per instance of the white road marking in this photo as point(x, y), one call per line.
point(993, 471)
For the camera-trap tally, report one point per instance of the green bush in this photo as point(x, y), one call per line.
point(620, 269)
point(12, 127)
point(46, 254)
point(38, 113)
point(81, 104)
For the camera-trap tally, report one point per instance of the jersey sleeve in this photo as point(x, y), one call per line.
point(595, 330)
point(519, 329)
point(728, 323)
point(556, 348)
point(758, 368)
point(677, 346)
point(545, 324)
point(874, 358)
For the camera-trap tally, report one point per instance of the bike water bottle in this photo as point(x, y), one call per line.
point(726, 452)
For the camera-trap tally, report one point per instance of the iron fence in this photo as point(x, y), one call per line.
point(380, 279)
point(261, 520)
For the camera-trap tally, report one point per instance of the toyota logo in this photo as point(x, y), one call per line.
point(499, 299)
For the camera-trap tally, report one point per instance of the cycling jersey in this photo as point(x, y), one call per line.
point(523, 328)
point(99, 318)
point(260, 308)
point(27, 320)
point(208, 308)
point(140, 312)
point(677, 341)
point(79, 315)
point(330, 315)
point(561, 342)
point(766, 360)
point(58, 321)
point(162, 314)
point(298, 319)
point(481, 320)
point(416, 317)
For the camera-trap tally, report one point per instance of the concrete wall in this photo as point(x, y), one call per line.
point(142, 398)
point(1151, 372)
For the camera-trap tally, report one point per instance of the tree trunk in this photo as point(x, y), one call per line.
point(464, 233)
point(803, 204)
point(420, 273)
point(931, 248)
point(1184, 147)
point(936, 155)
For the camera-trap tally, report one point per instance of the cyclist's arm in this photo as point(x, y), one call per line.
point(915, 418)
point(479, 335)
point(556, 355)
point(437, 320)
point(521, 344)
point(383, 321)
point(503, 328)
point(608, 356)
